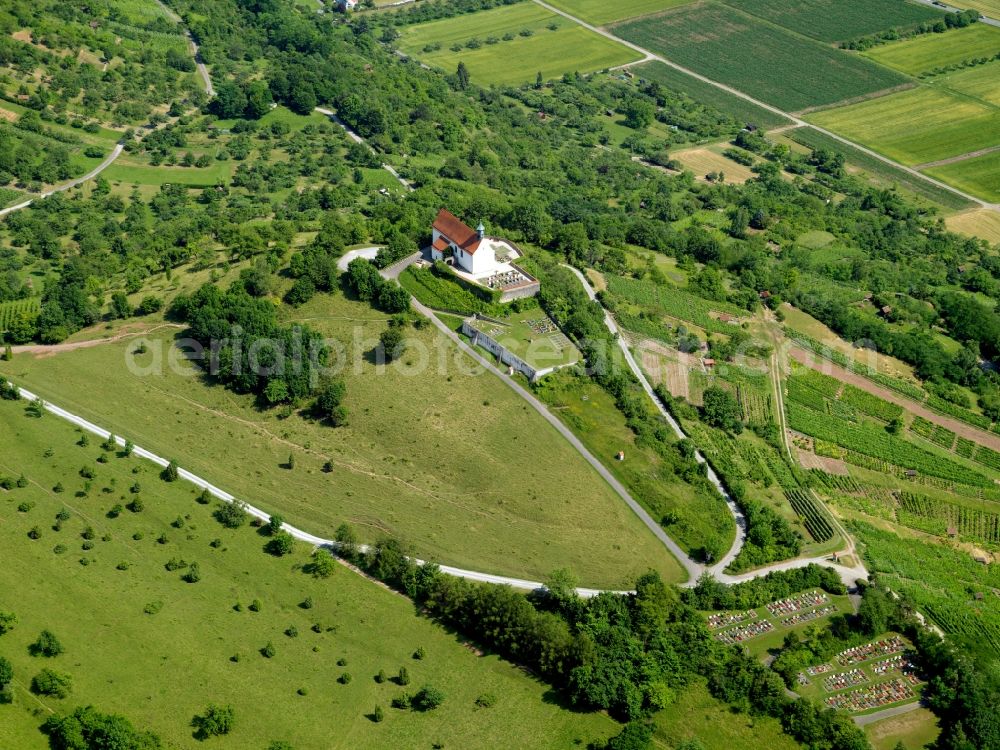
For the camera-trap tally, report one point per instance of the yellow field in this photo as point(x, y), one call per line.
point(982, 223)
point(989, 8)
point(702, 161)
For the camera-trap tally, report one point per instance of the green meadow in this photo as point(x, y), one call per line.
point(929, 51)
point(565, 48)
point(915, 126)
point(981, 82)
point(979, 175)
point(142, 642)
point(450, 460)
point(600, 12)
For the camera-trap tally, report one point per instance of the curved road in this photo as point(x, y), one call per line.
point(192, 45)
point(648, 56)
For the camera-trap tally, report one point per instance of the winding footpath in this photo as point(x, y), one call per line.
point(358, 139)
point(799, 122)
point(192, 46)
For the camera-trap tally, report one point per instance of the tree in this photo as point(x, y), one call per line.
point(280, 544)
point(378, 715)
point(403, 678)
point(722, 410)
point(6, 673)
point(392, 343)
point(8, 353)
point(638, 113)
point(273, 525)
point(129, 448)
point(873, 612)
point(88, 729)
point(215, 722)
point(231, 515)
point(51, 683)
point(120, 307)
point(46, 645)
point(7, 622)
point(322, 564)
point(230, 100)
point(462, 76)
point(259, 100)
point(171, 473)
point(637, 735)
point(328, 403)
point(428, 698)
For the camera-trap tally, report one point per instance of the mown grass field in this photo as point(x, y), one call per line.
point(983, 223)
point(708, 159)
point(915, 729)
point(134, 172)
point(161, 669)
point(982, 82)
point(732, 105)
point(929, 51)
point(978, 176)
point(880, 172)
point(837, 21)
point(566, 49)
point(449, 459)
point(696, 715)
point(600, 12)
point(767, 62)
point(915, 126)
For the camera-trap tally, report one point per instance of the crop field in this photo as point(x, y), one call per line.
point(537, 41)
point(979, 175)
point(706, 160)
point(915, 126)
point(767, 62)
point(837, 21)
point(10, 311)
point(732, 105)
point(600, 12)
point(982, 223)
point(990, 8)
point(501, 507)
point(674, 303)
point(881, 173)
point(173, 647)
point(981, 82)
point(929, 51)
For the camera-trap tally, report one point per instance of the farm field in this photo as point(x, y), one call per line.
point(949, 125)
point(765, 61)
point(732, 105)
point(707, 159)
point(500, 507)
point(929, 51)
point(979, 175)
point(294, 696)
point(990, 8)
point(840, 21)
point(982, 223)
point(567, 48)
point(982, 82)
point(600, 12)
point(134, 172)
point(881, 173)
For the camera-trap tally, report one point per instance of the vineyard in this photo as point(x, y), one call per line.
point(673, 302)
point(935, 516)
point(876, 443)
point(824, 393)
point(11, 311)
point(870, 404)
point(935, 433)
point(756, 405)
point(813, 517)
point(963, 447)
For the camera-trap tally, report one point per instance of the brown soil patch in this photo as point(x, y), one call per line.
point(702, 161)
point(810, 460)
point(846, 376)
point(8, 115)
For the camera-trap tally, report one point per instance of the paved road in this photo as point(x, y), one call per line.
point(368, 253)
point(736, 92)
point(358, 139)
point(108, 161)
point(887, 713)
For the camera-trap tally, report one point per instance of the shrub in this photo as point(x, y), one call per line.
point(428, 698)
point(51, 683)
point(46, 645)
point(215, 722)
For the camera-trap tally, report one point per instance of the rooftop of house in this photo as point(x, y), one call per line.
point(457, 231)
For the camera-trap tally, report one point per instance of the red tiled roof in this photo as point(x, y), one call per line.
point(441, 245)
point(455, 230)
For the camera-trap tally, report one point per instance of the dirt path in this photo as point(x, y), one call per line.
point(960, 157)
point(846, 376)
point(42, 350)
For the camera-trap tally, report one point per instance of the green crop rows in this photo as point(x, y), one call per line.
point(877, 444)
point(870, 404)
point(813, 518)
point(673, 302)
point(839, 482)
point(10, 311)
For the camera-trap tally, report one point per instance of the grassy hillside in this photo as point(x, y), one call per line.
point(436, 453)
point(161, 669)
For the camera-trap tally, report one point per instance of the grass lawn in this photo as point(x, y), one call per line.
point(982, 223)
point(916, 126)
point(730, 104)
point(161, 669)
point(765, 61)
point(697, 715)
point(600, 12)
point(915, 730)
point(589, 411)
point(569, 48)
point(447, 458)
point(837, 20)
point(979, 176)
point(521, 337)
point(929, 51)
point(132, 171)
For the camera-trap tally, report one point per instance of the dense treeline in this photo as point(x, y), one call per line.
point(89, 729)
point(628, 654)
